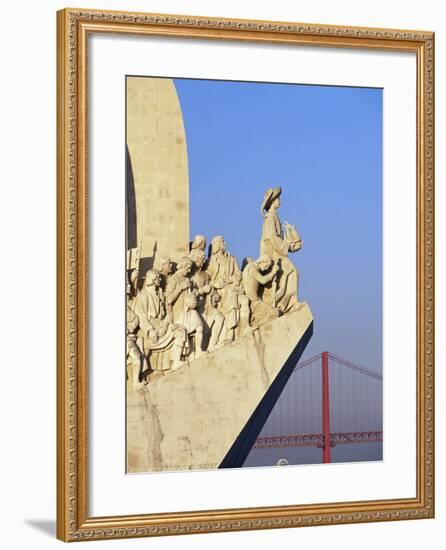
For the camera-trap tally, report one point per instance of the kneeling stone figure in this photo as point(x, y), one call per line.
point(256, 275)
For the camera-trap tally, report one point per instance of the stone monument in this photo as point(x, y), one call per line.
point(210, 346)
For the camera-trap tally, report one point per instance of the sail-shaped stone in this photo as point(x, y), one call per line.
point(157, 149)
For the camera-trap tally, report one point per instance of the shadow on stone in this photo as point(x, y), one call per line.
point(130, 202)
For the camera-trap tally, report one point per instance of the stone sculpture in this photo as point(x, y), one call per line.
point(192, 322)
point(196, 304)
point(200, 277)
point(222, 265)
point(215, 321)
point(222, 268)
point(133, 273)
point(199, 243)
point(165, 269)
point(179, 290)
point(277, 242)
point(137, 367)
point(236, 307)
point(158, 333)
point(208, 299)
point(178, 284)
point(256, 276)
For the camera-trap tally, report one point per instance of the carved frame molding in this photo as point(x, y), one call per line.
point(73, 521)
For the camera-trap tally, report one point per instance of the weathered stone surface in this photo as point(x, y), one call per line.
point(208, 414)
point(215, 343)
point(156, 142)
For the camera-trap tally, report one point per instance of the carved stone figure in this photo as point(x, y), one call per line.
point(191, 320)
point(245, 314)
point(200, 278)
point(222, 265)
point(214, 320)
point(134, 282)
point(246, 261)
point(165, 270)
point(157, 333)
point(222, 268)
point(179, 288)
point(136, 362)
point(236, 303)
point(282, 293)
point(206, 303)
point(133, 265)
point(256, 275)
point(199, 243)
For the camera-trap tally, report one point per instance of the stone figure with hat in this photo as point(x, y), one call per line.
point(194, 305)
point(277, 242)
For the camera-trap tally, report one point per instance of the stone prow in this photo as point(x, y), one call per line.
point(245, 441)
point(207, 415)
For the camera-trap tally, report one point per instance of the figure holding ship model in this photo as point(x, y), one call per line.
point(277, 241)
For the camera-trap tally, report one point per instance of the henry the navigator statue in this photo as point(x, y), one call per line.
point(277, 241)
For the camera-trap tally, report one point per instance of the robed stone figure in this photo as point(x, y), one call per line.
point(277, 242)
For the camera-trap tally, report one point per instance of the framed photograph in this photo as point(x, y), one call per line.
point(245, 274)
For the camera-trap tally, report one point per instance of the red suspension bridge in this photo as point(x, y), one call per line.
point(328, 401)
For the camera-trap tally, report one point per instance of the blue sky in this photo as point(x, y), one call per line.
point(323, 146)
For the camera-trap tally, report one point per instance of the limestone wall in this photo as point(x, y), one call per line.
point(156, 143)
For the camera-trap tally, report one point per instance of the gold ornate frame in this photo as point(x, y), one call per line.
point(73, 520)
